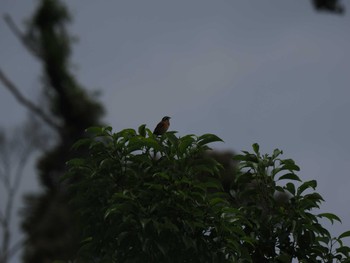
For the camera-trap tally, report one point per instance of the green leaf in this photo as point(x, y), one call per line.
point(276, 153)
point(345, 251)
point(134, 144)
point(144, 222)
point(252, 158)
point(284, 258)
point(185, 142)
point(127, 133)
point(110, 211)
point(216, 201)
point(154, 187)
point(240, 157)
point(306, 185)
point(150, 133)
point(323, 239)
point(151, 143)
point(345, 234)
point(203, 168)
point(107, 129)
point(249, 240)
point(256, 148)
point(211, 184)
point(80, 143)
point(291, 188)
point(279, 189)
point(208, 138)
point(142, 130)
point(289, 164)
point(162, 249)
point(172, 138)
point(331, 217)
point(161, 175)
point(86, 240)
point(316, 197)
point(76, 162)
point(96, 130)
point(138, 143)
point(289, 176)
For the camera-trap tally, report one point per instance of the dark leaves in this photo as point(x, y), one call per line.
point(161, 199)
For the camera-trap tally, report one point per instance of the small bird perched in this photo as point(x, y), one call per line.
point(162, 126)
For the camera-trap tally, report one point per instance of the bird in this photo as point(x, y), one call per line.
point(162, 126)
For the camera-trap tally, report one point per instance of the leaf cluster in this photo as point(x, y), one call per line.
point(280, 207)
point(142, 198)
point(139, 199)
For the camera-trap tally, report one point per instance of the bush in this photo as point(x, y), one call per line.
point(142, 198)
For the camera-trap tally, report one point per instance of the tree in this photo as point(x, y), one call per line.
point(142, 198)
point(49, 224)
point(68, 110)
point(16, 148)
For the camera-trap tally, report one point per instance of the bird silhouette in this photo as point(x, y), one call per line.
point(162, 126)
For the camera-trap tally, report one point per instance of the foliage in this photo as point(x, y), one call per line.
point(48, 222)
point(48, 37)
point(281, 211)
point(141, 198)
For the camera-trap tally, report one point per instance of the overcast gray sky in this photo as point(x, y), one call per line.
point(267, 71)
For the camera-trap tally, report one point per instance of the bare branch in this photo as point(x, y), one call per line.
point(25, 102)
point(19, 171)
point(14, 249)
point(15, 151)
point(2, 219)
point(18, 33)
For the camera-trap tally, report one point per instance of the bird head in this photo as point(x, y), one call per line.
point(166, 118)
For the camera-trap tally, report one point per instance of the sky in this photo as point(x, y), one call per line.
point(272, 72)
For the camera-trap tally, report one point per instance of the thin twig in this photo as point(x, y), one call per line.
point(25, 102)
point(18, 33)
point(2, 219)
point(15, 248)
point(20, 167)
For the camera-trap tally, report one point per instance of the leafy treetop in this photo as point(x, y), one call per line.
point(142, 198)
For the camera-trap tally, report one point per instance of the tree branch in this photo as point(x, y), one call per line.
point(14, 248)
point(25, 102)
point(18, 33)
point(2, 219)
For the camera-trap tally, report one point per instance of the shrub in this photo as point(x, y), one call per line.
point(142, 198)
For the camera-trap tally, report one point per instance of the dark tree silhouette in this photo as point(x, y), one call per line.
point(16, 148)
point(172, 208)
point(48, 222)
point(328, 5)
